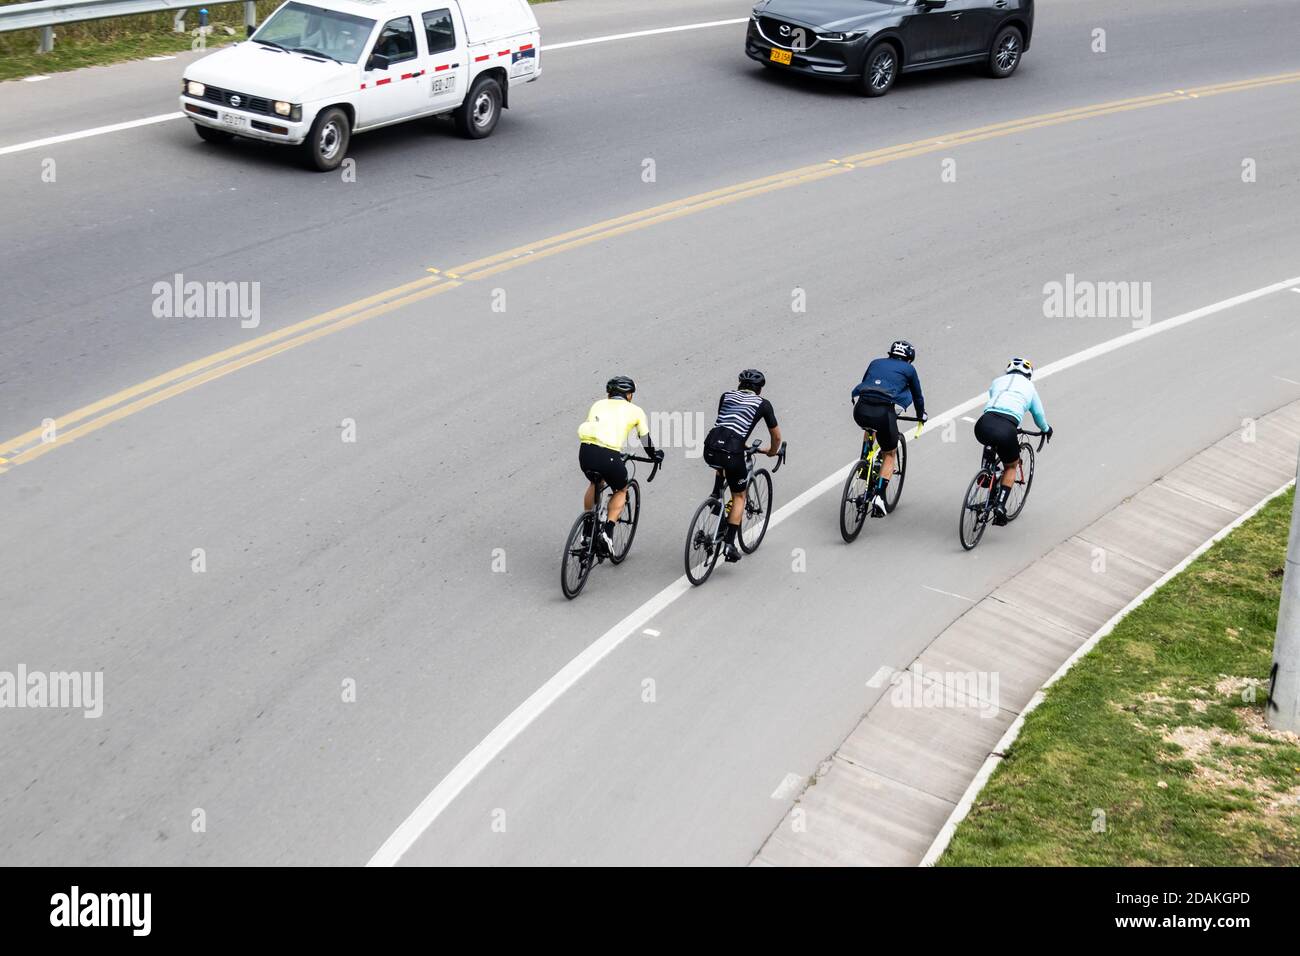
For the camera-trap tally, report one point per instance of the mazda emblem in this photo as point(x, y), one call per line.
point(785, 30)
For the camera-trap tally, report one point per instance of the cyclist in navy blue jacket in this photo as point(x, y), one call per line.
point(888, 381)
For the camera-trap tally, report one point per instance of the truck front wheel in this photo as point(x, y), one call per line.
point(478, 117)
point(327, 143)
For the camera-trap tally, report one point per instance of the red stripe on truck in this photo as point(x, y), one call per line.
point(480, 59)
point(439, 69)
point(526, 46)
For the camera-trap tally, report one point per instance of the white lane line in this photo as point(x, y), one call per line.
point(164, 117)
point(473, 763)
point(1289, 381)
point(967, 418)
point(959, 597)
point(34, 79)
point(790, 786)
point(83, 134)
point(643, 33)
point(650, 632)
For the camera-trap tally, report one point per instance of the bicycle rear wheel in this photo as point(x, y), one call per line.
point(703, 543)
point(975, 509)
point(853, 503)
point(895, 489)
point(758, 511)
point(625, 526)
point(1024, 481)
point(576, 562)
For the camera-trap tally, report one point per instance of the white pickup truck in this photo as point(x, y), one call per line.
point(315, 73)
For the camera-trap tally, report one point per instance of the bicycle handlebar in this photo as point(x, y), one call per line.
point(1041, 436)
point(649, 461)
point(780, 458)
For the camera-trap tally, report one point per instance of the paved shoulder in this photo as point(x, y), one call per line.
point(906, 770)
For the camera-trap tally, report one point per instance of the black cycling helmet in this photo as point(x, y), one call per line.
point(752, 378)
point(1021, 366)
point(620, 385)
point(903, 349)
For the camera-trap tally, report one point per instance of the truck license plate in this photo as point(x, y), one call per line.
point(234, 119)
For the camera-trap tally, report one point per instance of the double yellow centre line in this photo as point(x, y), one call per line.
point(89, 418)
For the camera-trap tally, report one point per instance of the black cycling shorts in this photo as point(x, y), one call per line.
point(732, 464)
point(999, 433)
point(879, 418)
point(600, 464)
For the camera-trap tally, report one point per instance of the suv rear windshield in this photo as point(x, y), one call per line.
point(300, 26)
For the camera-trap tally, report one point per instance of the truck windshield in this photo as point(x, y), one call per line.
point(303, 27)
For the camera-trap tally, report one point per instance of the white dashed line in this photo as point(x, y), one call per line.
point(789, 787)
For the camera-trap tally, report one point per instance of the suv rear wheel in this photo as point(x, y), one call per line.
point(879, 70)
point(1004, 55)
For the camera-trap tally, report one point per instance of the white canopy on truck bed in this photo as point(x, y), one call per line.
point(488, 20)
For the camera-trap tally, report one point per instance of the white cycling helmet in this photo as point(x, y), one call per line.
point(1021, 366)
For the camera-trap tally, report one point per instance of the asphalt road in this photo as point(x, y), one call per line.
point(373, 561)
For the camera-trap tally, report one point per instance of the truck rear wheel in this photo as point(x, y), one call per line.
point(478, 116)
point(327, 143)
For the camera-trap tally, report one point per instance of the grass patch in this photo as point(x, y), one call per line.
point(100, 42)
point(1152, 750)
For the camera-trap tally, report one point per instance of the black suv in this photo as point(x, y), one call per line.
point(869, 42)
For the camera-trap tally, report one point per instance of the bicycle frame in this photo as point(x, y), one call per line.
point(720, 484)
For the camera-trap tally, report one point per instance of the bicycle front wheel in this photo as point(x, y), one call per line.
point(853, 503)
point(625, 526)
point(758, 511)
point(578, 557)
point(895, 489)
point(703, 541)
point(1024, 481)
point(975, 509)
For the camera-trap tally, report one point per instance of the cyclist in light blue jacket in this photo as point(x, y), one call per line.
point(1011, 396)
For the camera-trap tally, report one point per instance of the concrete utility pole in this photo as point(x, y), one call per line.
point(1283, 710)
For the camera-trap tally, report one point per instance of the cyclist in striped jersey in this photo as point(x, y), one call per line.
point(724, 448)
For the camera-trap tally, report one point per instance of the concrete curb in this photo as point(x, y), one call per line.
point(986, 769)
point(896, 788)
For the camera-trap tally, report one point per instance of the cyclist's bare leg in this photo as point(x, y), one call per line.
point(888, 463)
point(1009, 473)
point(737, 507)
point(616, 502)
point(589, 499)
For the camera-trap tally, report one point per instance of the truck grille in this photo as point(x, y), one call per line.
point(250, 104)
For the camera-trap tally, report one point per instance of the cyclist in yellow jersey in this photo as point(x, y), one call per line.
point(600, 456)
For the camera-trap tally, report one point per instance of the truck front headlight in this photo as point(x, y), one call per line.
point(195, 88)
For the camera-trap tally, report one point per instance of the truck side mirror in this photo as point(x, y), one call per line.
point(378, 61)
point(248, 29)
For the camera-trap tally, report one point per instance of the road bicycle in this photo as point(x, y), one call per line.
point(977, 505)
point(860, 485)
point(704, 539)
point(581, 552)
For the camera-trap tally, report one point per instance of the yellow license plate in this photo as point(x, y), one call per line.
point(781, 56)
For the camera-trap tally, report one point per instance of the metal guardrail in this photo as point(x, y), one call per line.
point(45, 15)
